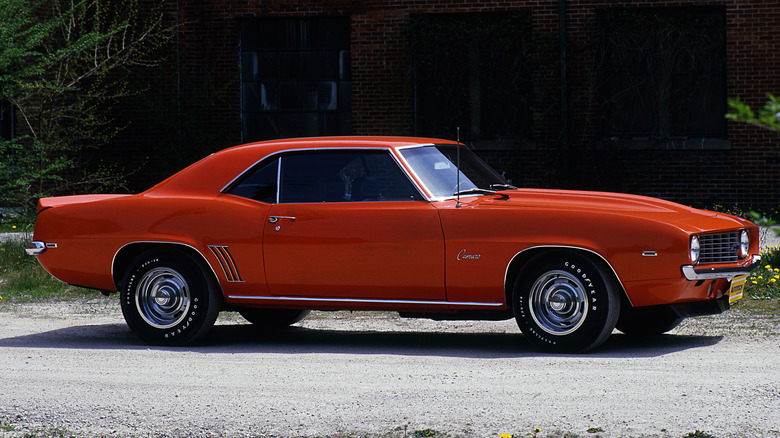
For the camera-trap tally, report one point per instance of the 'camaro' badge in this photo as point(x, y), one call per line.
point(464, 255)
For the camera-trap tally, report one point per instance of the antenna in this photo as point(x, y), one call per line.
point(457, 171)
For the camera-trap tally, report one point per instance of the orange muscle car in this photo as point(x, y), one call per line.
point(414, 225)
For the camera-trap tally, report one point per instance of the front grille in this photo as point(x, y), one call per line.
point(719, 248)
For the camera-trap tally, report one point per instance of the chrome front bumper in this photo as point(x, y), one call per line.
point(694, 274)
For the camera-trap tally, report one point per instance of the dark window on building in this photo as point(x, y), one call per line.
point(472, 71)
point(295, 77)
point(662, 76)
point(6, 120)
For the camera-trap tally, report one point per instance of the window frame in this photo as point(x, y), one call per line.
point(323, 120)
point(471, 86)
point(699, 136)
point(280, 155)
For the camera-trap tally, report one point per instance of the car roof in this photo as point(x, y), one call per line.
point(214, 172)
point(382, 142)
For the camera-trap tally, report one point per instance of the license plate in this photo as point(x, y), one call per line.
point(737, 287)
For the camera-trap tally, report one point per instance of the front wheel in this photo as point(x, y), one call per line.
point(167, 299)
point(565, 303)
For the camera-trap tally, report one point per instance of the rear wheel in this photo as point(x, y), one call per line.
point(273, 318)
point(167, 299)
point(564, 302)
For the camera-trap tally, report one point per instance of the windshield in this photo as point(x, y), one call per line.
point(436, 166)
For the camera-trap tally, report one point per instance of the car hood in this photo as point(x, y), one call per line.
point(641, 207)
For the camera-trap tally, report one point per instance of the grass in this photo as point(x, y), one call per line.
point(762, 291)
point(14, 228)
point(15, 220)
point(699, 434)
point(764, 282)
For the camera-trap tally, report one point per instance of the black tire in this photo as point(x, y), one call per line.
point(647, 321)
point(168, 299)
point(565, 303)
point(269, 319)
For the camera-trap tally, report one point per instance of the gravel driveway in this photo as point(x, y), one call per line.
point(75, 367)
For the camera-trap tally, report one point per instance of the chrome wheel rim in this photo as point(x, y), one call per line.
point(558, 303)
point(162, 298)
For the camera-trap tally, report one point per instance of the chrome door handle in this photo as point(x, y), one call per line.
point(275, 219)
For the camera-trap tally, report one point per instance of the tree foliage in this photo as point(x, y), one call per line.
point(768, 117)
point(64, 64)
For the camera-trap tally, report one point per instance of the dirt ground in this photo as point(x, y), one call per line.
point(74, 368)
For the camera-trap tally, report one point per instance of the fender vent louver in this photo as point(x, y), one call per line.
point(226, 261)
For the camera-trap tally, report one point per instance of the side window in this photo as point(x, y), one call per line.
point(391, 183)
point(344, 176)
point(260, 184)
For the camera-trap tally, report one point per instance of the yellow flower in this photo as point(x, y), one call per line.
point(13, 226)
point(772, 280)
point(776, 270)
point(755, 282)
point(767, 267)
point(505, 435)
point(760, 277)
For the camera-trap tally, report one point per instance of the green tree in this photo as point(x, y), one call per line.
point(63, 66)
point(768, 117)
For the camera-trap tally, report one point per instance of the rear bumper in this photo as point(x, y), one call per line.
point(37, 247)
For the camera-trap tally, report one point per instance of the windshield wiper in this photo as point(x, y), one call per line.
point(479, 191)
point(503, 186)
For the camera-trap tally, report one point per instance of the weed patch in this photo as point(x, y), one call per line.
point(764, 282)
point(699, 434)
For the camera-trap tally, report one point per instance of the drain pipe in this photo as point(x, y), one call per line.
point(178, 76)
point(564, 146)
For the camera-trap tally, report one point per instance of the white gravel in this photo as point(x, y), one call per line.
point(75, 367)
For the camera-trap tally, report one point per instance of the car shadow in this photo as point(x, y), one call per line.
point(244, 338)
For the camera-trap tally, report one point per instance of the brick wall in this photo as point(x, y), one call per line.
point(382, 98)
point(746, 174)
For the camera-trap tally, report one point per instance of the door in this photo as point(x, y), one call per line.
point(349, 224)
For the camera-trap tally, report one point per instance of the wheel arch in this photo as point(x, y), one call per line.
point(519, 263)
point(128, 252)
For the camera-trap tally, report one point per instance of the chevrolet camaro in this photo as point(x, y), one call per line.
point(414, 225)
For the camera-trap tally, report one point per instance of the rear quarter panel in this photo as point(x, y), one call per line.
point(89, 235)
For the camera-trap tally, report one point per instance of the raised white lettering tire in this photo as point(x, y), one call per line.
point(167, 299)
point(566, 303)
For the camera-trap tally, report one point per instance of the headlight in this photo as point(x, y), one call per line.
point(744, 244)
point(695, 248)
